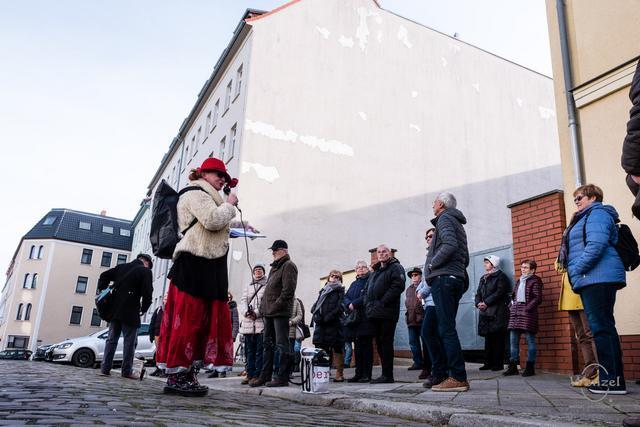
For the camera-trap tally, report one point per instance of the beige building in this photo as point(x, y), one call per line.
point(594, 68)
point(52, 279)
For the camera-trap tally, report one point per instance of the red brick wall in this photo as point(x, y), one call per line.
point(631, 356)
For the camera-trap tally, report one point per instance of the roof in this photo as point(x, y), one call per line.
point(64, 224)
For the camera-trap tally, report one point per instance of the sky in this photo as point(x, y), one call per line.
point(92, 92)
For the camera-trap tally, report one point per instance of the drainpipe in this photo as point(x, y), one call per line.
point(574, 134)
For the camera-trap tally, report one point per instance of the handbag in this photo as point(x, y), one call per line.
point(352, 318)
point(304, 329)
point(105, 303)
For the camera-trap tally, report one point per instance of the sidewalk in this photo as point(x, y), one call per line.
point(493, 400)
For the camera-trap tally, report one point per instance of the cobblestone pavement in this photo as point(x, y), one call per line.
point(50, 394)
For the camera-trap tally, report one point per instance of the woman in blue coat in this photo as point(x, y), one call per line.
point(596, 273)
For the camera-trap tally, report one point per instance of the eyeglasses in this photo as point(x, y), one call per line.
point(334, 276)
point(428, 236)
point(578, 198)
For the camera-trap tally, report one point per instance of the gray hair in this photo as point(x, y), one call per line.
point(447, 199)
point(361, 262)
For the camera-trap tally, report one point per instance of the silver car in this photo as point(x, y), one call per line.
point(86, 351)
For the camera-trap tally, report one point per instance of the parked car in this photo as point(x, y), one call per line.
point(15, 354)
point(40, 353)
point(89, 350)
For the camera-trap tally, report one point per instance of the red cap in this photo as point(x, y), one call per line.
point(213, 164)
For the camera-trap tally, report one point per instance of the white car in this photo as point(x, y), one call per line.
point(86, 351)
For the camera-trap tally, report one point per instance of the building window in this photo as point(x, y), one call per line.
point(14, 341)
point(26, 282)
point(87, 254)
point(127, 233)
point(216, 112)
point(106, 259)
point(239, 80)
point(40, 251)
point(223, 143)
point(27, 312)
point(81, 285)
point(107, 229)
point(95, 318)
point(76, 315)
point(207, 126)
point(32, 252)
point(199, 135)
point(82, 225)
point(19, 313)
point(227, 96)
point(186, 154)
point(122, 258)
point(232, 141)
point(49, 220)
point(34, 281)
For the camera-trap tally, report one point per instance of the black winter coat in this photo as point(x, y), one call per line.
point(155, 323)
point(495, 291)
point(133, 282)
point(327, 320)
point(384, 287)
point(356, 296)
point(280, 290)
point(631, 145)
point(448, 253)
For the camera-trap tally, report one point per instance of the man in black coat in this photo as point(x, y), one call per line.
point(132, 282)
point(631, 146)
point(384, 288)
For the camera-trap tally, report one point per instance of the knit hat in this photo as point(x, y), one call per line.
point(494, 260)
point(259, 266)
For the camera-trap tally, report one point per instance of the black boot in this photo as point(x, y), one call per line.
point(185, 384)
point(511, 370)
point(529, 370)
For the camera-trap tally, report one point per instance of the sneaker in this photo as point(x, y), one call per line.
point(598, 389)
point(382, 380)
point(583, 381)
point(451, 384)
point(431, 381)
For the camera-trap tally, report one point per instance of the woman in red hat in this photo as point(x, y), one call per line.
point(196, 327)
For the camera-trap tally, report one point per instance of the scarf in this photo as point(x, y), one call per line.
point(521, 295)
point(328, 288)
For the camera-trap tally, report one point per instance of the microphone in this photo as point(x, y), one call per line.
point(227, 189)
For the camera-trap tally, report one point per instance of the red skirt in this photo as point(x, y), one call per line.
point(196, 332)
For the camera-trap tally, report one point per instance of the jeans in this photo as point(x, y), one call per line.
point(514, 340)
point(431, 337)
point(598, 301)
point(253, 353)
point(447, 291)
point(384, 333)
point(348, 353)
point(276, 333)
point(130, 334)
point(419, 350)
point(364, 356)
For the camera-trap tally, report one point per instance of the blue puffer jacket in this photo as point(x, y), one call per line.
point(598, 261)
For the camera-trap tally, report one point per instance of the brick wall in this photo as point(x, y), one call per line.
point(631, 356)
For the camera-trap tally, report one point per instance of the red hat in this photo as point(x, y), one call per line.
point(213, 164)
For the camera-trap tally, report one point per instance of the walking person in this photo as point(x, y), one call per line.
point(276, 307)
point(327, 314)
point(252, 323)
point(384, 288)
point(414, 316)
point(445, 271)
point(523, 318)
point(133, 283)
point(196, 328)
point(492, 299)
point(361, 329)
point(596, 273)
point(154, 331)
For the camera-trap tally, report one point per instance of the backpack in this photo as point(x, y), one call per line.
point(627, 246)
point(165, 234)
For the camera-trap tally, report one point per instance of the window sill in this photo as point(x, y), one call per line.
point(235, 97)
point(225, 112)
point(228, 160)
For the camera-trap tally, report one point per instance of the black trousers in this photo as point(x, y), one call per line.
point(494, 345)
point(363, 349)
point(130, 334)
point(276, 333)
point(385, 330)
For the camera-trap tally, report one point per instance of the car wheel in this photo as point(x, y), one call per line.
point(83, 358)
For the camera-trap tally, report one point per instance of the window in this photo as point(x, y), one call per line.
point(14, 341)
point(107, 229)
point(19, 313)
point(34, 281)
point(40, 252)
point(232, 140)
point(87, 254)
point(223, 142)
point(76, 315)
point(227, 96)
point(106, 259)
point(122, 258)
point(82, 225)
point(49, 220)
point(127, 233)
point(199, 135)
point(216, 112)
point(239, 80)
point(95, 318)
point(81, 285)
point(25, 284)
point(32, 252)
point(27, 312)
point(207, 126)
point(186, 153)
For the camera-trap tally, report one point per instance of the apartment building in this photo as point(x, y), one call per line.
point(51, 283)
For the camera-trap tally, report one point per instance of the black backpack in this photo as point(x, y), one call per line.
point(165, 234)
point(627, 246)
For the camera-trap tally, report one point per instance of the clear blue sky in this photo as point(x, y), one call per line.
point(92, 92)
